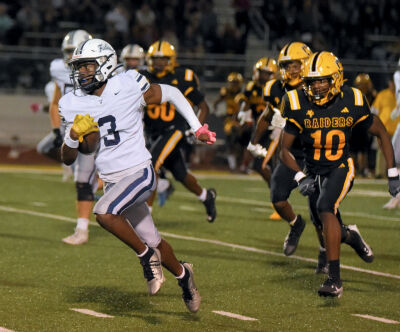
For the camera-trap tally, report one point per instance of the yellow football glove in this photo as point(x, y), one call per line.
point(84, 125)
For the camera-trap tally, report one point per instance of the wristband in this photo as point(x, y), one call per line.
point(56, 131)
point(392, 172)
point(71, 143)
point(299, 176)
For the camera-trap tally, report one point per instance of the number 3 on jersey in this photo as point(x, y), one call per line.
point(112, 137)
point(331, 135)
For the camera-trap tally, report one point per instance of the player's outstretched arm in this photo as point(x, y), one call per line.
point(378, 129)
point(161, 93)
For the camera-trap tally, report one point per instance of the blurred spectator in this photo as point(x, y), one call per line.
point(6, 23)
point(208, 27)
point(231, 40)
point(117, 21)
point(242, 19)
point(145, 16)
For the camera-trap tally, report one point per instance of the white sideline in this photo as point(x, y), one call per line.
point(230, 314)
point(379, 319)
point(3, 329)
point(91, 313)
point(216, 242)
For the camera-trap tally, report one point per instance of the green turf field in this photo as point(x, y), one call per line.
point(238, 263)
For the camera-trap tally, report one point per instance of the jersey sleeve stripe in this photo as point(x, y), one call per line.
point(347, 184)
point(140, 76)
point(296, 123)
point(188, 90)
point(268, 86)
point(360, 119)
point(358, 97)
point(188, 75)
point(144, 87)
point(294, 100)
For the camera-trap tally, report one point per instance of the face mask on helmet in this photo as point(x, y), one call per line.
point(71, 40)
point(132, 56)
point(323, 77)
point(264, 70)
point(291, 62)
point(161, 58)
point(93, 63)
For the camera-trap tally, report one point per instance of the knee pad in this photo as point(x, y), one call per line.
point(84, 191)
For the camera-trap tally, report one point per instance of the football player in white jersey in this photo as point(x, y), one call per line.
point(113, 105)
point(132, 57)
point(84, 169)
point(394, 202)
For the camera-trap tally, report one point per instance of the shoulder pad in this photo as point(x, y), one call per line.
point(140, 79)
point(293, 100)
point(223, 91)
point(267, 88)
point(249, 85)
point(189, 75)
point(56, 66)
point(358, 97)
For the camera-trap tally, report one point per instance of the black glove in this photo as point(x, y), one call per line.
point(58, 140)
point(394, 185)
point(307, 186)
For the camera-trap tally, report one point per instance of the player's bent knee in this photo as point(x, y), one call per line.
point(84, 191)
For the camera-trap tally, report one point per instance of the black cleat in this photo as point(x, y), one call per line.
point(293, 237)
point(209, 203)
point(359, 245)
point(331, 288)
point(322, 267)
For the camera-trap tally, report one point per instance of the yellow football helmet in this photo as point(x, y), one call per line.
point(234, 82)
point(295, 51)
point(161, 49)
point(364, 83)
point(266, 64)
point(323, 65)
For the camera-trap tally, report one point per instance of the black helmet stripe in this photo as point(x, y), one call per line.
point(81, 48)
point(285, 52)
point(315, 60)
point(159, 45)
point(130, 49)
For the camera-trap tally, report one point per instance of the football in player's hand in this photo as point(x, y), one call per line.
point(90, 143)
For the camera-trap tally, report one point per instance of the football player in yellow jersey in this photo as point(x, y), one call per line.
point(228, 94)
point(291, 63)
point(361, 141)
point(252, 104)
point(165, 128)
point(323, 115)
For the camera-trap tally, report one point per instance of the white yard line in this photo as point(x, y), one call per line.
point(188, 208)
point(216, 242)
point(91, 313)
point(232, 315)
point(378, 319)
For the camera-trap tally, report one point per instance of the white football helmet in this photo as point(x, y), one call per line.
point(133, 51)
point(99, 52)
point(72, 40)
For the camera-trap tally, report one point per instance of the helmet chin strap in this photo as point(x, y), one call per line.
point(91, 87)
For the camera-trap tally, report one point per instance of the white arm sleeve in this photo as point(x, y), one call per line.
point(175, 97)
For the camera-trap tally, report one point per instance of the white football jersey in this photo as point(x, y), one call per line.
point(118, 112)
point(60, 74)
point(396, 79)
